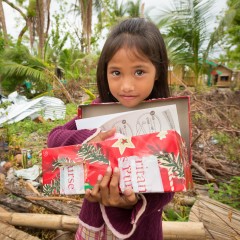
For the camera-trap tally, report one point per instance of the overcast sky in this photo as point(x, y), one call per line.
point(154, 5)
point(12, 16)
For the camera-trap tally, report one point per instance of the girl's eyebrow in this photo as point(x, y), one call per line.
point(140, 66)
point(113, 67)
point(117, 67)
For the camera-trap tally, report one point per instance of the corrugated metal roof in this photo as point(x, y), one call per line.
point(49, 107)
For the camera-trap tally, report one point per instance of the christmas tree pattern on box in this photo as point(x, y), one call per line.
point(156, 162)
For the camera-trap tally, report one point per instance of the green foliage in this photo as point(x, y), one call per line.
point(90, 95)
point(134, 8)
point(84, 68)
point(31, 10)
point(18, 137)
point(186, 36)
point(200, 120)
point(2, 43)
point(228, 193)
point(17, 65)
point(229, 143)
point(55, 43)
point(222, 138)
point(180, 215)
point(4, 105)
point(232, 37)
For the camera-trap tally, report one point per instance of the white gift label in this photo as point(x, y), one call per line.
point(72, 179)
point(142, 174)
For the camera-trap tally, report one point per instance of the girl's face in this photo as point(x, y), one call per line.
point(130, 77)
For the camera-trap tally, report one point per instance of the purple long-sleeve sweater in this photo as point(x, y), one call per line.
point(144, 221)
point(68, 135)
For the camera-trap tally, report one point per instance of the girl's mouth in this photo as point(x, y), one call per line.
point(128, 97)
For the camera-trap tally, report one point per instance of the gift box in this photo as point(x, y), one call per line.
point(182, 118)
point(156, 162)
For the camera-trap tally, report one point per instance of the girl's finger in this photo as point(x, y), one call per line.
point(94, 194)
point(107, 134)
point(130, 197)
point(96, 187)
point(105, 183)
point(113, 187)
point(88, 196)
point(87, 193)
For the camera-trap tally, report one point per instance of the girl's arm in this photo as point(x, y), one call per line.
point(69, 135)
point(129, 219)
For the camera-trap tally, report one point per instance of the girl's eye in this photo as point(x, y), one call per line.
point(139, 72)
point(115, 73)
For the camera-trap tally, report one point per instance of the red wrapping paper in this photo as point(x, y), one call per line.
point(156, 162)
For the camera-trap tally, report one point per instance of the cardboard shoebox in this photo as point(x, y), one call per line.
point(152, 156)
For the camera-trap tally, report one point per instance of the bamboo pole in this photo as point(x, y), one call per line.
point(42, 221)
point(171, 230)
point(183, 230)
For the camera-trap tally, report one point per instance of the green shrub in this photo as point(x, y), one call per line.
point(228, 193)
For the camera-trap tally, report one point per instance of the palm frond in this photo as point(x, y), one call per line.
point(12, 69)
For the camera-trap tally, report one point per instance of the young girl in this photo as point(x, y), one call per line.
point(132, 68)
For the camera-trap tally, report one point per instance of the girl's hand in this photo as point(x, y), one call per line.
point(103, 135)
point(106, 192)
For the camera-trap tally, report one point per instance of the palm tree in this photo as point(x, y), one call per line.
point(86, 12)
point(135, 9)
point(37, 21)
point(42, 23)
point(119, 9)
point(17, 64)
point(55, 44)
point(187, 36)
point(111, 12)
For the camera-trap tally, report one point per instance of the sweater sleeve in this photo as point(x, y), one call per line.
point(69, 135)
point(123, 222)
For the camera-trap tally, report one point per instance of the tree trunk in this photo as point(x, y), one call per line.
point(3, 23)
point(54, 206)
point(16, 204)
point(40, 27)
point(86, 19)
point(43, 23)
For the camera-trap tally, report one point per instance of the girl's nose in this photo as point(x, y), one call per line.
point(127, 84)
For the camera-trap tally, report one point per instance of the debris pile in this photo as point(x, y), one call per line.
point(216, 158)
point(20, 108)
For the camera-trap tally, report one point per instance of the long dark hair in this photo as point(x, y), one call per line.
point(145, 38)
